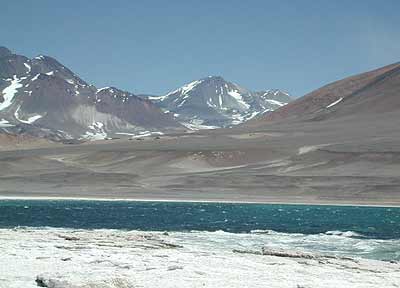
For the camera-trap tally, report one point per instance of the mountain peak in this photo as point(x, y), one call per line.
point(47, 59)
point(4, 52)
point(214, 102)
point(214, 77)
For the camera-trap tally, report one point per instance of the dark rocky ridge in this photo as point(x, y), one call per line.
point(376, 91)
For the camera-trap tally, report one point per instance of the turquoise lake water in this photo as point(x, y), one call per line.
point(366, 222)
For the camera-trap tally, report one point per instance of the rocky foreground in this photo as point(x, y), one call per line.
point(111, 258)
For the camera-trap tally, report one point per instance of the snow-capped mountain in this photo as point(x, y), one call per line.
point(42, 97)
point(213, 102)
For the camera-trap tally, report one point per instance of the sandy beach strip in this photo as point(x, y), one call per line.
point(194, 200)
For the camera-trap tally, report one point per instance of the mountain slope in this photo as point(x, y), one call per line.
point(377, 91)
point(214, 102)
point(42, 97)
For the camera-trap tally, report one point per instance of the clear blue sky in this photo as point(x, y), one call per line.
point(153, 46)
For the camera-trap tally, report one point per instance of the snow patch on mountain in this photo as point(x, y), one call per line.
point(146, 134)
point(196, 125)
point(35, 77)
point(30, 120)
point(97, 132)
point(184, 90)
point(239, 98)
point(275, 102)
point(189, 87)
point(9, 92)
point(5, 124)
point(28, 67)
point(102, 89)
point(334, 103)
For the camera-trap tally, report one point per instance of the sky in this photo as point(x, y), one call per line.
point(154, 46)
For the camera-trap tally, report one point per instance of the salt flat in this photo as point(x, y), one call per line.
point(112, 258)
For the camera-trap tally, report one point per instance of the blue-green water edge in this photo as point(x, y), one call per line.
point(371, 222)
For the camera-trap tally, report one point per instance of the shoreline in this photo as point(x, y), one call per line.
point(168, 200)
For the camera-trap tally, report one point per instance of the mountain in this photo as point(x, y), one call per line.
point(365, 95)
point(213, 102)
point(337, 144)
point(42, 97)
